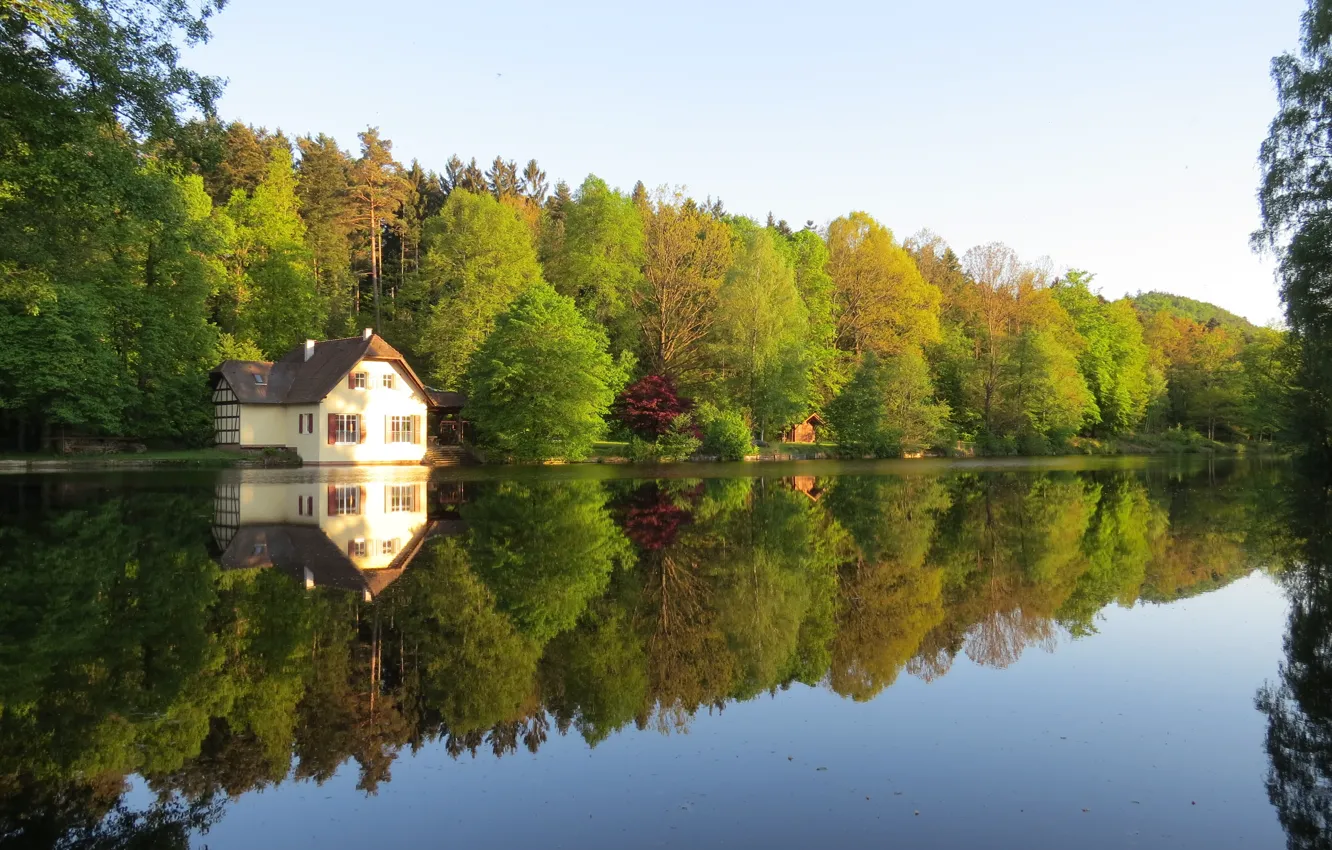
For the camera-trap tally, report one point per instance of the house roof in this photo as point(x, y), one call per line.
point(445, 399)
point(293, 379)
point(293, 549)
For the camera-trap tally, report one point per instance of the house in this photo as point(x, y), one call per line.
point(338, 402)
point(806, 431)
point(358, 536)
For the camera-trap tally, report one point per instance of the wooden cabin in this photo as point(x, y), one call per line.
point(804, 432)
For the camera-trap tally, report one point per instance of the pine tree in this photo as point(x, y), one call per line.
point(378, 189)
point(533, 182)
point(502, 178)
point(323, 178)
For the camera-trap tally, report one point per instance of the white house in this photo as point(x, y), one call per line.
point(340, 402)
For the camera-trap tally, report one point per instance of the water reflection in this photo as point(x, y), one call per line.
point(222, 636)
point(357, 536)
point(1299, 704)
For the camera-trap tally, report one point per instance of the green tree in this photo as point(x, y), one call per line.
point(759, 333)
point(542, 382)
point(376, 192)
point(910, 407)
point(827, 365)
point(277, 302)
point(1115, 360)
point(599, 259)
point(1294, 194)
point(323, 183)
point(856, 416)
point(479, 258)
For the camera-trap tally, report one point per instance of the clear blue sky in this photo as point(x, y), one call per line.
point(1116, 137)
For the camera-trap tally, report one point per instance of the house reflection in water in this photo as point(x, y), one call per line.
point(357, 534)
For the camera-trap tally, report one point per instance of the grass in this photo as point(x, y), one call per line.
point(203, 456)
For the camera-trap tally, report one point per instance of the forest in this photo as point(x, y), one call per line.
point(572, 607)
point(143, 240)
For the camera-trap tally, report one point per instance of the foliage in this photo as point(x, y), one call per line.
point(726, 434)
point(1294, 196)
point(649, 406)
point(518, 407)
point(687, 253)
point(480, 258)
point(884, 305)
point(857, 416)
point(759, 333)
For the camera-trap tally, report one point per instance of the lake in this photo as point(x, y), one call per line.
point(1065, 653)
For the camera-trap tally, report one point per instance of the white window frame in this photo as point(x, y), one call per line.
point(349, 429)
point(347, 500)
point(400, 429)
point(400, 498)
point(358, 548)
point(388, 547)
point(360, 380)
point(388, 380)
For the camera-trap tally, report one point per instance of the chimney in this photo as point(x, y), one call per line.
point(367, 333)
point(309, 348)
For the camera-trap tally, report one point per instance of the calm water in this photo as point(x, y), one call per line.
point(1069, 654)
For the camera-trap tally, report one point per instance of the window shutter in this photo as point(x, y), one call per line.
point(351, 380)
point(351, 548)
point(416, 430)
point(360, 503)
point(360, 428)
point(332, 500)
point(309, 502)
point(300, 424)
point(332, 428)
point(388, 435)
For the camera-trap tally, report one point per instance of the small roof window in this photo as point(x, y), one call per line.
point(260, 379)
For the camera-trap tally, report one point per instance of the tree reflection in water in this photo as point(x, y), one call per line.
point(1299, 704)
point(530, 608)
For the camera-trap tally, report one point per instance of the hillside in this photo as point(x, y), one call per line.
point(1199, 311)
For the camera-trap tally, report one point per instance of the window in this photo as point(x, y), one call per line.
point(344, 500)
point(356, 548)
point(401, 429)
point(358, 380)
point(388, 547)
point(305, 505)
point(305, 423)
point(309, 423)
point(400, 498)
point(260, 380)
point(260, 549)
point(387, 380)
point(348, 428)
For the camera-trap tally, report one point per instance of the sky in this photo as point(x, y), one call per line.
point(1120, 138)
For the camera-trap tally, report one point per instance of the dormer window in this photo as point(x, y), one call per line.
point(260, 380)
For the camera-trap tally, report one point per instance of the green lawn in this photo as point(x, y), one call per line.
point(210, 456)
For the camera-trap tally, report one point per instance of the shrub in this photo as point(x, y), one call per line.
point(725, 433)
point(680, 440)
point(649, 406)
point(1032, 443)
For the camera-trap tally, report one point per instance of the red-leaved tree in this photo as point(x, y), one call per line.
point(649, 405)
